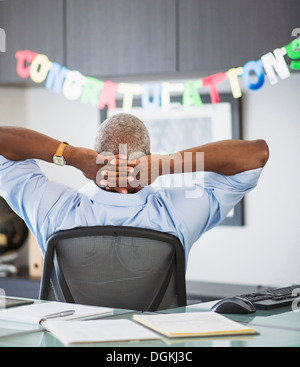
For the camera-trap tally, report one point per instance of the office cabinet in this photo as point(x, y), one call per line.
point(124, 38)
point(35, 25)
point(215, 35)
point(129, 37)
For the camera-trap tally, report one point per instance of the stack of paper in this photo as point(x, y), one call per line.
point(193, 325)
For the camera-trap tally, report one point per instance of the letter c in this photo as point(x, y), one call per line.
point(186, 357)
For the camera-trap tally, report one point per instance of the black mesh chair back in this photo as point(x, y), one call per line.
point(118, 267)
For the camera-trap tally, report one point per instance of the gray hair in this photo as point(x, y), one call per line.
point(123, 134)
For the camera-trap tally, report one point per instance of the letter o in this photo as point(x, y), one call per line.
point(257, 67)
point(39, 68)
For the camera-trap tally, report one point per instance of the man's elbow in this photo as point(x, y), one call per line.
point(264, 152)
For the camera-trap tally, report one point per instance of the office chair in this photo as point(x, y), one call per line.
point(117, 267)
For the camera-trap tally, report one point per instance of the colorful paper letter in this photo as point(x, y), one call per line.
point(167, 89)
point(293, 51)
point(155, 89)
point(129, 90)
point(211, 82)
point(91, 91)
point(39, 68)
point(56, 77)
point(191, 96)
point(276, 63)
point(23, 58)
point(257, 68)
point(233, 76)
point(107, 96)
point(72, 88)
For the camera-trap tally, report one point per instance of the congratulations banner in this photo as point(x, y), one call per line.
point(74, 86)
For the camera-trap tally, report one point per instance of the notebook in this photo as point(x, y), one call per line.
point(200, 324)
point(33, 314)
point(98, 331)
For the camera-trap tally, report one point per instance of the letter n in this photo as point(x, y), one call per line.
point(56, 77)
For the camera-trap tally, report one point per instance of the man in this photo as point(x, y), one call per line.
point(233, 169)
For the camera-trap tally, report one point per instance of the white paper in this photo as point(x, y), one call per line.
point(97, 331)
point(32, 314)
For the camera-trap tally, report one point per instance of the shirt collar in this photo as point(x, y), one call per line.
point(114, 199)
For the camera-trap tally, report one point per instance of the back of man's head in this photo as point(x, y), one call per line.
point(123, 134)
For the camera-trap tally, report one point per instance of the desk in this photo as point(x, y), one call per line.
point(276, 329)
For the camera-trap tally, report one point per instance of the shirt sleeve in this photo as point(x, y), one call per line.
point(30, 194)
point(204, 206)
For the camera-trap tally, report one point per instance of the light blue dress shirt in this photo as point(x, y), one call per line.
point(48, 207)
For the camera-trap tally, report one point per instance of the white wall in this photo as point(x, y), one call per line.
point(13, 107)
point(51, 114)
point(63, 120)
point(267, 250)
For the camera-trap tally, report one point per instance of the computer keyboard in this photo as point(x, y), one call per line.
point(274, 298)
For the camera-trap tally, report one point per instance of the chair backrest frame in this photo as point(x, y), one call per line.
point(53, 275)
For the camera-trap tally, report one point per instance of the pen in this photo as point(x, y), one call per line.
point(57, 315)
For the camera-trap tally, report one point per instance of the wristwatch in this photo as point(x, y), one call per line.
point(58, 157)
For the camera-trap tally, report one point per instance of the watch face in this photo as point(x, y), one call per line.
point(59, 161)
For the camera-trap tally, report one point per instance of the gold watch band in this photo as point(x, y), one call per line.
point(61, 149)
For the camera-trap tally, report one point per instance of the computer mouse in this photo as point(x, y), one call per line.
point(234, 305)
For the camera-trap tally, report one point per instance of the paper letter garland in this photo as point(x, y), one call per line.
point(233, 75)
point(155, 90)
point(102, 94)
point(276, 63)
point(24, 57)
point(129, 90)
point(73, 85)
point(212, 81)
point(293, 51)
point(39, 68)
point(56, 78)
point(107, 96)
point(257, 68)
point(191, 96)
point(91, 91)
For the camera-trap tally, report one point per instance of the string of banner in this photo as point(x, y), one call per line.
point(75, 86)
